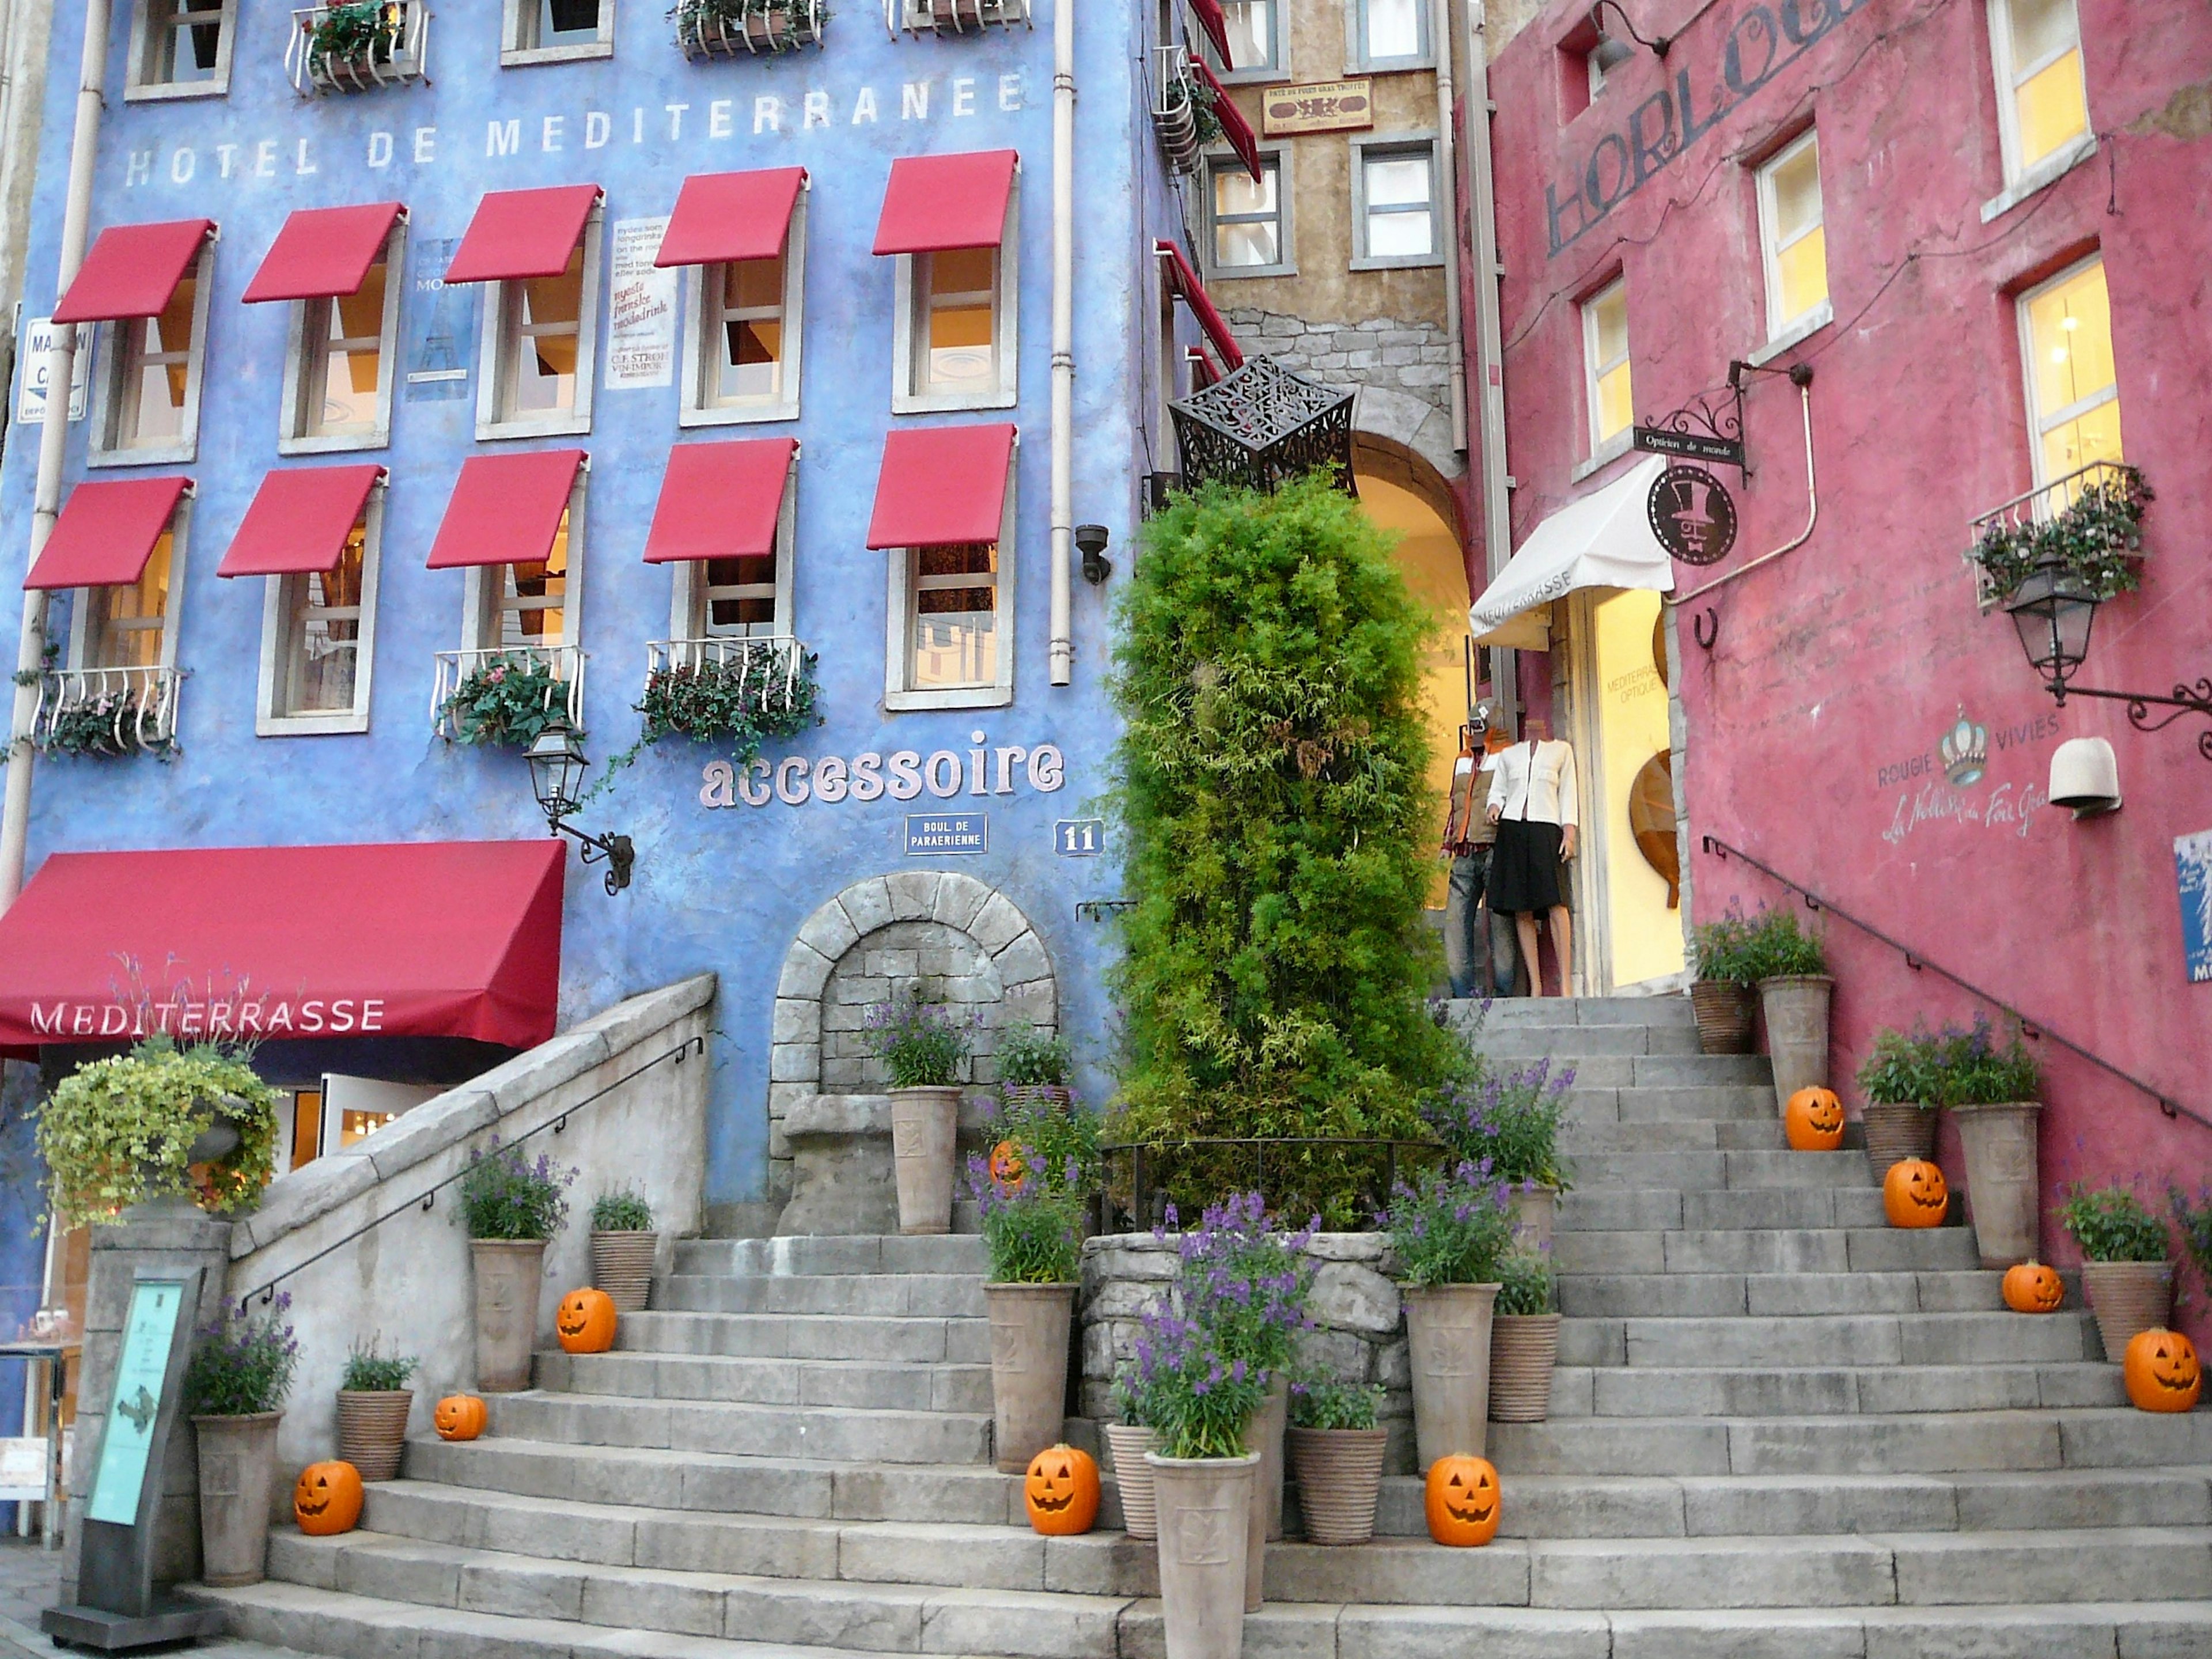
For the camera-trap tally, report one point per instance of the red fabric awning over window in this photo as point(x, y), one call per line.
point(723, 216)
point(719, 501)
point(1183, 278)
point(1214, 22)
point(936, 203)
point(1236, 131)
point(132, 270)
point(505, 509)
point(523, 233)
point(942, 486)
point(106, 532)
point(431, 938)
point(299, 520)
point(322, 251)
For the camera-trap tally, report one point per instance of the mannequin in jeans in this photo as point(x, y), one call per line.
point(1532, 802)
point(1468, 833)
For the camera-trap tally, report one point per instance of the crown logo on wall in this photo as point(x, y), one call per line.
point(1965, 750)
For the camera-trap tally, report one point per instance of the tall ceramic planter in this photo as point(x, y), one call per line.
point(1263, 1436)
point(373, 1430)
point(1205, 1510)
point(1340, 1479)
point(508, 1273)
point(2000, 1145)
point(1129, 1442)
point(1796, 1009)
point(2127, 1296)
point(238, 1477)
point(1897, 1132)
point(1029, 1367)
point(924, 1124)
point(1532, 1209)
point(1523, 1350)
point(1448, 1331)
point(622, 1266)
point(1722, 1009)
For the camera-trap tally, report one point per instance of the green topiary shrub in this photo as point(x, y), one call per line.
point(1271, 781)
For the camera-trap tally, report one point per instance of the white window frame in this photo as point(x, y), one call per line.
point(906, 341)
point(139, 90)
point(267, 721)
point(1603, 449)
point(687, 609)
point(1781, 329)
point(1278, 66)
point(519, 18)
point(1355, 58)
point(80, 639)
point(492, 357)
point(486, 586)
point(898, 631)
point(1287, 259)
point(113, 364)
point(2040, 422)
point(2022, 181)
point(702, 355)
point(1386, 146)
point(305, 361)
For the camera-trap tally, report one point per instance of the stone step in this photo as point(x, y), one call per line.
point(1823, 1390)
point(1578, 1140)
point(1687, 1295)
point(917, 1388)
point(1661, 1071)
point(1767, 1250)
point(1565, 1012)
point(930, 1296)
point(1568, 1045)
point(1937, 1338)
point(829, 1433)
point(912, 1339)
point(1732, 1102)
point(1735, 1171)
point(950, 1253)
point(1664, 1208)
point(1935, 1442)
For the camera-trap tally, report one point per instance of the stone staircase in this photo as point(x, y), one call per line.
point(1780, 1428)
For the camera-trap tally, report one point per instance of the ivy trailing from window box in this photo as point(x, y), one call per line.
point(741, 701)
point(1202, 100)
point(104, 725)
point(508, 700)
point(2096, 538)
point(355, 31)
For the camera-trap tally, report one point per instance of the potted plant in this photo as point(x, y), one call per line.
point(2194, 1222)
point(624, 1247)
point(1991, 1093)
point(1337, 1448)
point(162, 1123)
point(1033, 1067)
point(1511, 1124)
point(1722, 998)
point(1450, 1233)
point(373, 1400)
point(235, 1387)
point(921, 1046)
point(1136, 1431)
point(513, 1208)
point(1898, 1079)
point(2124, 1264)
point(1791, 970)
point(1032, 1224)
point(1524, 1338)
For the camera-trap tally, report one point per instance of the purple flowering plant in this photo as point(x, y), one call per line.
point(1451, 1227)
point(1246, 1279)
point(1510, 1120)
point(504, 1195)
point(242, 1365)
point(1031, 1214)
point(920, 1044)
point(1196, 1396)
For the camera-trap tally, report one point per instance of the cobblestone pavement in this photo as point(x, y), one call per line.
point(30, 1581)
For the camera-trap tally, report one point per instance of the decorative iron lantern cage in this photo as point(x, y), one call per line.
point(1263, 426)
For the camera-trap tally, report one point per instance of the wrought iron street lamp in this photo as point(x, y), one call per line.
point(556, 777)
point(2053, 610)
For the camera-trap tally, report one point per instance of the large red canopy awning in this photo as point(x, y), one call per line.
point(1183, 279)
point(425, 939)
point(300, 521)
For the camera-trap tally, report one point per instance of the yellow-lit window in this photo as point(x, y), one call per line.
point(746, 364)
point(1247, 218)
point(1605, 363)
point(2045, 104)
point(544, 327)
point(318, 654)
point(1795, 244)
point(2073, 391)
point(955, 330)
point(532, 602)
point(157, 373)
point(1251, 33)
point(126, 622)
point(955, 640)
point(346, 343)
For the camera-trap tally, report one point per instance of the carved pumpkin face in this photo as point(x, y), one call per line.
point(1007, 1169)
point(1463, 1501)
point(326, 1500)
point(460, 1417)
point(2162, 1371)
point(1061, 1491)
point(584, 1321)
point(1914, 1195)
point(2032, 1288)
point(1813, 1121)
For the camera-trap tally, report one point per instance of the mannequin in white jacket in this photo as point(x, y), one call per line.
point(1532, 802)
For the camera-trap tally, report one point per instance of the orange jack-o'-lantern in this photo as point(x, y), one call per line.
point(1463, 1500)
point(1813, 1121)
point(1914, 1195)
point(2031, 1288)
point(460, 1417)
point(326, 1500)
point(2161, 1372)
point(1061, 1491)
point(584, 1321)
point(1007, 1169)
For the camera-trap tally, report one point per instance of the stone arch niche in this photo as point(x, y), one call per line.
point(938, 934)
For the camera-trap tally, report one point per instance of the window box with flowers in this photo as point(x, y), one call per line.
point(953, 16)
point(739, 691)
point(505, 697)
point(2089, 523)
point(1183, 114)
point(107, 712)
point(723, 28)
point(352, 46)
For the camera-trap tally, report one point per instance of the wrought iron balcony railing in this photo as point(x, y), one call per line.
point(456, 668)
point(769, 671)
point(954, 16)
point(2039, 506)
point(723, 28)
point(107, 711)
point(353, 45)
point(1176, 109)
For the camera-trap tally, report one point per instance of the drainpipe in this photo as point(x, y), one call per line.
point(1440, 31)
point(1489, 336)
point(53, 444)
point(1063, 334)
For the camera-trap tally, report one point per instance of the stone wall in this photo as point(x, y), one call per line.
point(1360, 1333)
point(1413, 357)
point(932, 961)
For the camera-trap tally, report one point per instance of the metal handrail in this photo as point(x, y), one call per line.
point(696, 1045)
point(403, 30)
point(1110, 1215)
point(452, 667)
point(1914, 960)
point(147, 696)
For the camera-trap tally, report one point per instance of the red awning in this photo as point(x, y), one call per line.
point(719, 501)
point(132, 270)
point(1216, 25)
point(505, 509)
point(106, 532)
point(1236, 131)
point(431, 938)
point(1183, 278)
point(299, 520)
point(323, 251)
point(723, 216)
point(523, 233)
point(942, 486)
point(935, 203)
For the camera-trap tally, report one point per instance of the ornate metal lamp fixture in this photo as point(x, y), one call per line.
point(2053, 612)
point(556, 776)
point(1610, 51)
point(1263, 426)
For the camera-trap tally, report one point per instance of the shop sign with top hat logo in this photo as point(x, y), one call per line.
point(1691, 512)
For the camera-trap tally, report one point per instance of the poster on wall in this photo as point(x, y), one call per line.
point(2192, 874)
point(641, 321)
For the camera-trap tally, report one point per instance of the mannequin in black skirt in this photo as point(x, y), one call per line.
point(1532, 802)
